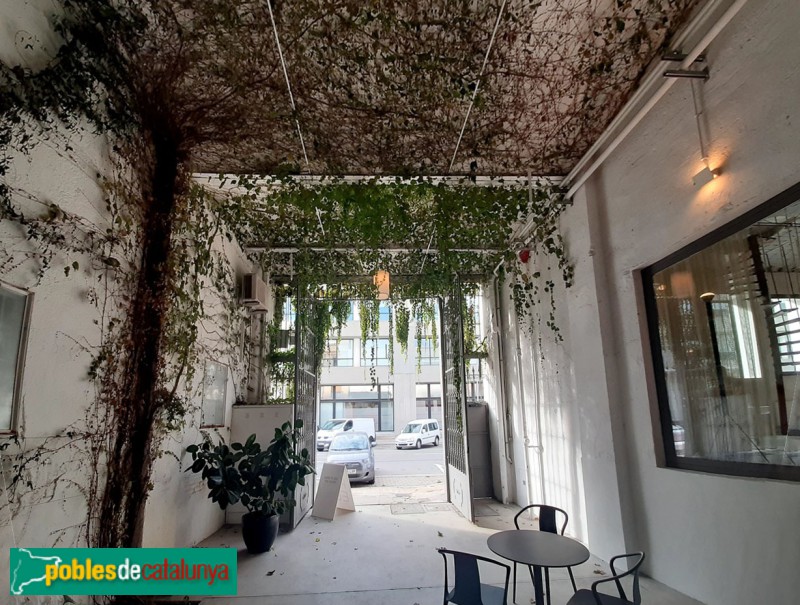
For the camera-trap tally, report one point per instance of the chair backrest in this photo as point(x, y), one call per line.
point(633, 570)
point(467, 581)
point(547, 517)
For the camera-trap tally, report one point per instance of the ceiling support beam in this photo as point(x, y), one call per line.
point(653, 88)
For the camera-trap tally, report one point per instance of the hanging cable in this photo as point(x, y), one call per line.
point(286, 77)
point(427, 251)
point(477, 84)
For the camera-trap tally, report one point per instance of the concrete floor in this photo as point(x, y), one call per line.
point(385, 552)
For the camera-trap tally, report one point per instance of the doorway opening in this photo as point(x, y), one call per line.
point(419, 371)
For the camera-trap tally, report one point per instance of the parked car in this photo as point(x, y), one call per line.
point(330, 429)
point(418, 433)
point(333, 427)
point(353, 449)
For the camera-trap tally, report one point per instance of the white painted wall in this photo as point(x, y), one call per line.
point(56, 390)
point(179, 512)
point(544, 426)
point(723, 540)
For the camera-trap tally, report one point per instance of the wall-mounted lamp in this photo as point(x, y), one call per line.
point(706, 175)
point(681, 284)
point(381, 281)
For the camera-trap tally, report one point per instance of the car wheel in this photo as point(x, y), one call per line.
point(419, 444)
point(436, 441)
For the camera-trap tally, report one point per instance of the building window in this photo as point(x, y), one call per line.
point(215, 390)
point(14, 305)
point(428, 353)
point(384, 311)
point(289, 313)
point(429, 401)
point(358, 401)
point(724, 317)
point(339, 353)
point(786, 317)
point(375, 352)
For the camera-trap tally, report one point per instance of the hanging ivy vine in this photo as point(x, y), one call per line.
point(421, 230)
point(175, 91)
point(403, 323)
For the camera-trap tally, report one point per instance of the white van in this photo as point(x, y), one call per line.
point(417, 433)
point(333, 427)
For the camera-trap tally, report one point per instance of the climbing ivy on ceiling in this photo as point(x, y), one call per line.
point(331, 235)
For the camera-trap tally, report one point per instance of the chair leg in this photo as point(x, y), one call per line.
point(572, 578)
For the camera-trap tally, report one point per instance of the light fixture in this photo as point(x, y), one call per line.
point(381, 282)
point(707, 297)
point(681, 284)
point(706, 175)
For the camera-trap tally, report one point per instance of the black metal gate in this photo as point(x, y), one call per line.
point(305, 401)
point(459, 489)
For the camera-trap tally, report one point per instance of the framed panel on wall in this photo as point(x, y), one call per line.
point(724, 322)
point(215, 389)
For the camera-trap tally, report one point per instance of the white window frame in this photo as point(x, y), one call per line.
point(19, 369)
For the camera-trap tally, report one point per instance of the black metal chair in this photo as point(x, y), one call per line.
point(592, 596)
point(467, 587)
point(547, 522)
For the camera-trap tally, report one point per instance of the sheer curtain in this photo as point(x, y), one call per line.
point(721, 374)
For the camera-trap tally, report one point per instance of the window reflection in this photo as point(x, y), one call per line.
point(727, 324)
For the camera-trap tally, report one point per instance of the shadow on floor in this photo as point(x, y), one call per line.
point(387, 554)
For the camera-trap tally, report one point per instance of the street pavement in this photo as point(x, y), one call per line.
point(402, 477)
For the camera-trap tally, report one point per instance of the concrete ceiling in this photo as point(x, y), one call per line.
point(387, 87)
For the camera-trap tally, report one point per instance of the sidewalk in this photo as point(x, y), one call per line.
point(386, 553)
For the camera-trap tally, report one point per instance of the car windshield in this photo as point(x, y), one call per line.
point(412, 428)
point(349, 443)
point(332, 424)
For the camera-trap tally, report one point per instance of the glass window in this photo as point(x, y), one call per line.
point(725, 327)
point(429, 400)
point(786, 317)
point(339, 353)
point(13, 304)
point(429, 354)
point(347, 442)
point(215, 385)
point(375, 352)
point(325, 412)
point(360, 401)
point(289, 314)
point(384, 310)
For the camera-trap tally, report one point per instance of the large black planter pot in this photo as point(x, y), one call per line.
point(259, 532)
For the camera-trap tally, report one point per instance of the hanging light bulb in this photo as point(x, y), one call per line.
point(381, 281)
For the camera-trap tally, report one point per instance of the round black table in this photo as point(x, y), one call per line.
point(538, 549)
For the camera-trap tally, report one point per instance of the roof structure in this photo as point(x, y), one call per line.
point(497, 87)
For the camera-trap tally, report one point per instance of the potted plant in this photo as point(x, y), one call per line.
point(263, 480)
